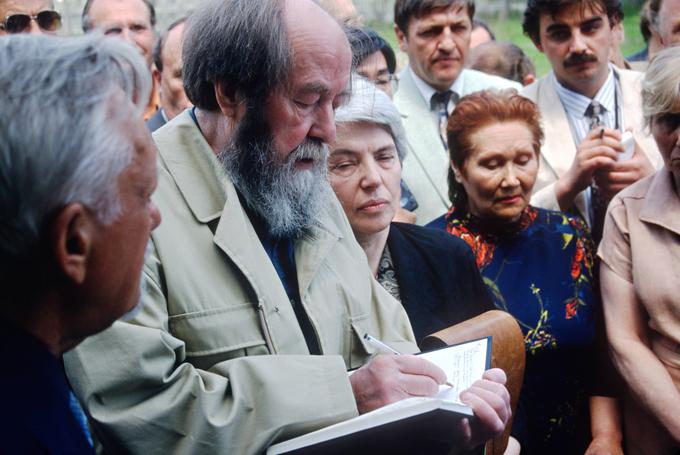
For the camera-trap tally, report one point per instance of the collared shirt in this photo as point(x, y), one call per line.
point(427, 90)
point(576, 104)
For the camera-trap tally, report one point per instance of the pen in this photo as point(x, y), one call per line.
point(380, 345)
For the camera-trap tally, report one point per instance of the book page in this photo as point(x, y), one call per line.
point(463, 364)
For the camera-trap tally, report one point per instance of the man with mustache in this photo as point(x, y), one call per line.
point(258, 293)
point(436, 36)
point(586, 104)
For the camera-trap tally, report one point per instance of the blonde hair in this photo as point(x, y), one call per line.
point(661, 86)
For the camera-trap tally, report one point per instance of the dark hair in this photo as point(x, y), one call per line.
point(535, 8)
point(158, 47)
point(404, 10)
point(476, 111)
point(646, 19)
point(86, 23)
point(477, 23)
point(241, 43)
point(365, 42)
point(654, 7)
point(503, 59)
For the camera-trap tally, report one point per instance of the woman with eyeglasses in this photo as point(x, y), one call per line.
point(640, 275)
point(29, 16)
point(432, 274)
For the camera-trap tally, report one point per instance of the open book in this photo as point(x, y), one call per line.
point(427, 424)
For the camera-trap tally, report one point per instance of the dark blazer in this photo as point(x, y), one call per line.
point(156, 121)
point(439, 283)
point(35, 417)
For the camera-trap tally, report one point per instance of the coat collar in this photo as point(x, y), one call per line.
point(209, 193)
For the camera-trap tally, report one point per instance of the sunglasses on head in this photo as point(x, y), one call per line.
point(49, 21)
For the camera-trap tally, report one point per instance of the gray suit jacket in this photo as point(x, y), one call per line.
point(558, 150)
point(426, 166)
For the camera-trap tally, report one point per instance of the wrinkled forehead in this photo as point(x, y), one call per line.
point(8, 7)
point(105, 12)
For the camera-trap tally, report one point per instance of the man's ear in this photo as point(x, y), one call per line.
point(156, 75)
point(71, 239)
point(401, 37)
point(537, 43)
point(231, 103)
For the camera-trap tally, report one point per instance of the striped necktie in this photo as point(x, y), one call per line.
point(440, 104)
point(598, 200)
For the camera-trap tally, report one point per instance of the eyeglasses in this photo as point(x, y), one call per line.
point(389, 80)
point(49, 21)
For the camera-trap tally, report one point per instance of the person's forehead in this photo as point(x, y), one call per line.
point(574, 14)
point(351, 138)
point(456, 11)
point(374, 60)
point(105, 11)
point(172, 45)
point(669, 13)
point(8, 7)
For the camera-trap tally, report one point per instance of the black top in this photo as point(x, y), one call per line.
point(34, 409)
point(439, 283)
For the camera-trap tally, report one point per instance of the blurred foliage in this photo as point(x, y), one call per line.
point(511, 30)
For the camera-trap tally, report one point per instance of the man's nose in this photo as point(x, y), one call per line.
point(324, 124)
point(446, 42)
point(34, 28)
point(578, 43)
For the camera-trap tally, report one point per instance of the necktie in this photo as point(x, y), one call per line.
point(598, 200)
point(440, 104)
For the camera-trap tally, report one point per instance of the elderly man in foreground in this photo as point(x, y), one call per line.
point(258, 293)
point(78, 167)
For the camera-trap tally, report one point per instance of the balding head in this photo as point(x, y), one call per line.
point(131, 20)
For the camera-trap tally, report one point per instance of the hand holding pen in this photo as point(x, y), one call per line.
point(382, 346)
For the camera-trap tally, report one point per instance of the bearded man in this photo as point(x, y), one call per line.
point(256, 266)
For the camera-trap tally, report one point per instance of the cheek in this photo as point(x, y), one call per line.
point(346, 191)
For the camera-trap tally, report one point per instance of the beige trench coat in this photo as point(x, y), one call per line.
point(216, 362)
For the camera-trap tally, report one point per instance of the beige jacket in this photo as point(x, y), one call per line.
point(217, 363)
point(558, 150)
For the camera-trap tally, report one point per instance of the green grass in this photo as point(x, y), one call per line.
point(511, 30)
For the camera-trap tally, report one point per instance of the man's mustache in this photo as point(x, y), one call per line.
point(577, 59)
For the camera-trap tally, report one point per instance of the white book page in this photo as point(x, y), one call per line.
point(463, 364)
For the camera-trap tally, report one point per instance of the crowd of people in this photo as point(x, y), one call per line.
point(312, 192)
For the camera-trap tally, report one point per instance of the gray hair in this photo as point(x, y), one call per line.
point(61, 139)
point(241, 43)
point(368, 104)
point(661, 85)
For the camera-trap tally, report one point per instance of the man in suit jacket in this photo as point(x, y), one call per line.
point(436, 38)
point(167, 74)
point(75, 218)
point(579, 150)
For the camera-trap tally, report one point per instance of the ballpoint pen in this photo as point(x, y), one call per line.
point(380, 345)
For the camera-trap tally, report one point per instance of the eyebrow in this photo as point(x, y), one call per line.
point(314, 87)
point(560, 26)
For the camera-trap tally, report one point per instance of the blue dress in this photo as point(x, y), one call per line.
point(540, 270)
